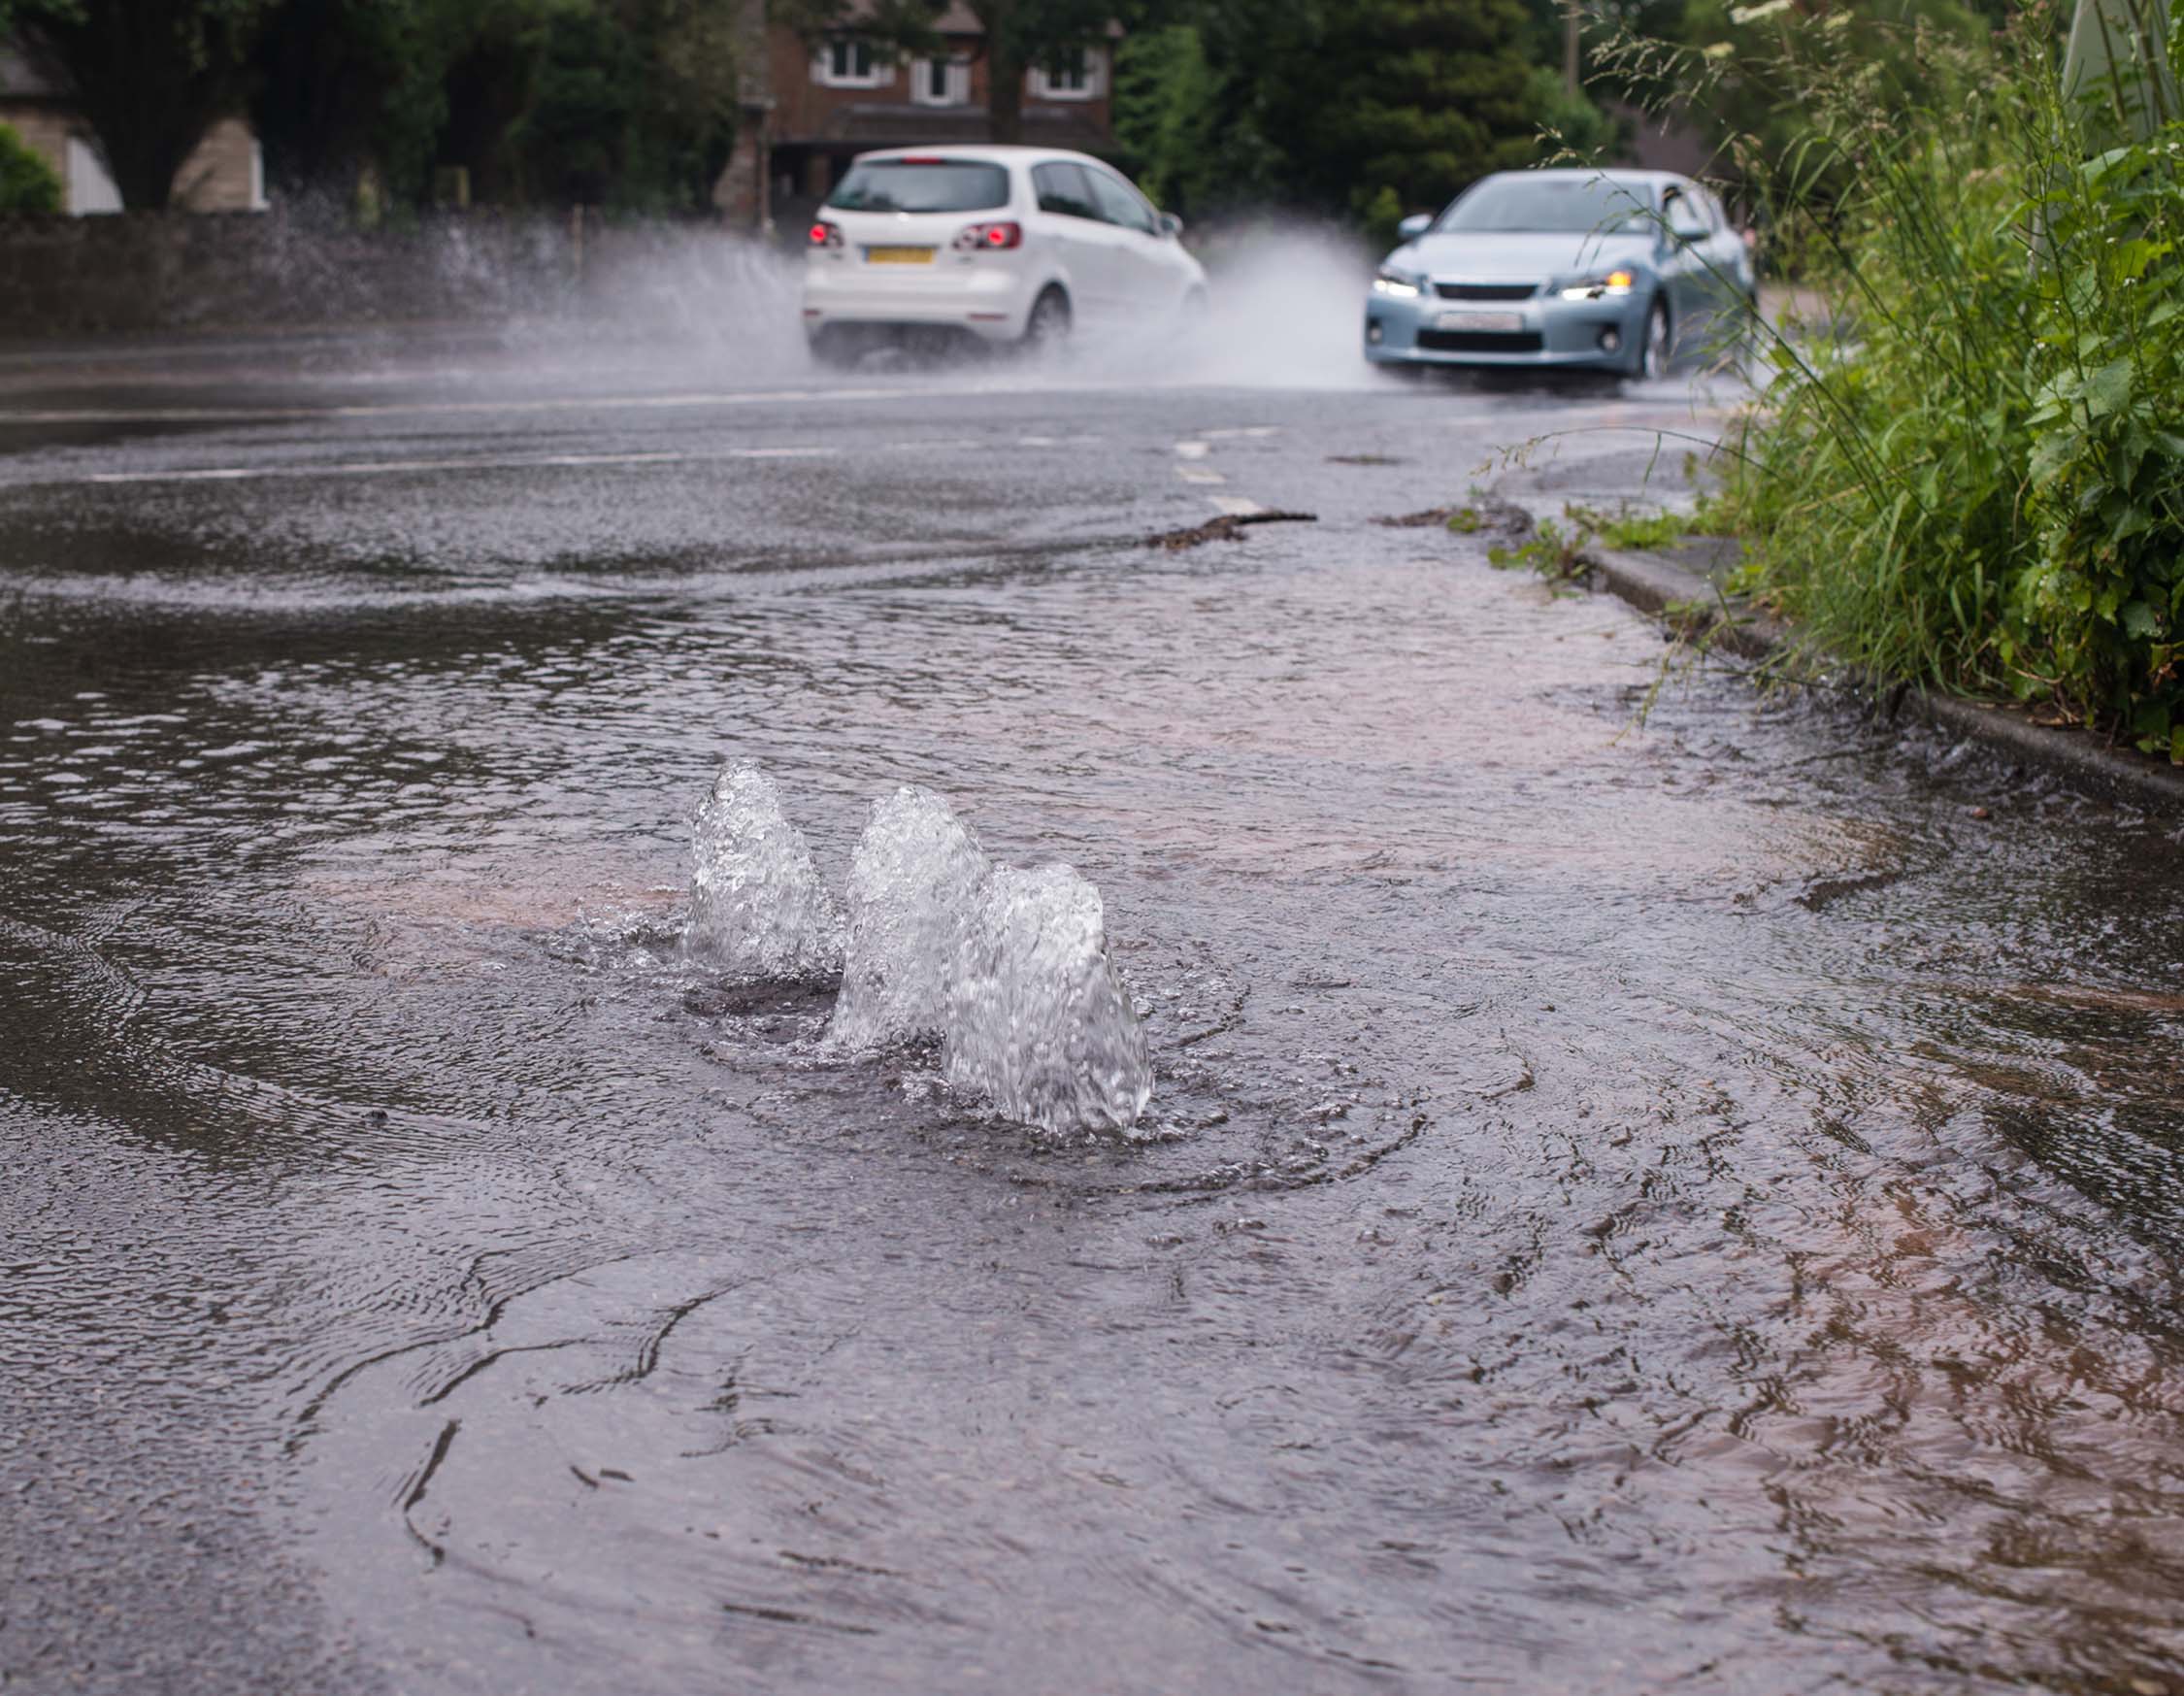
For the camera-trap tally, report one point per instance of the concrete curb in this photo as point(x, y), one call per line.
point(1653, 584)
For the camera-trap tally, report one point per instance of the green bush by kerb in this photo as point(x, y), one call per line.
point(27, 183)
point(2104, 605)
point(1971, 472)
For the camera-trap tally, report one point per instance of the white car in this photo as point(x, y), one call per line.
point(1003, 244)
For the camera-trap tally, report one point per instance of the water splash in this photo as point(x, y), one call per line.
point(1037, 1021)
point(914, 879)
point(757, 907)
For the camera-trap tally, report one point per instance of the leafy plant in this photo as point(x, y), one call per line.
point(1969, 471)
point(2097, 621)
point(1552, 551)
point(1632, 531)
point(27, 183)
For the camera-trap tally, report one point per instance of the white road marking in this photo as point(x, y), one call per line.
point(1198, 474)
point(400, 467)
point(1238, 505)
point(1192, 449)
point(1242, 430)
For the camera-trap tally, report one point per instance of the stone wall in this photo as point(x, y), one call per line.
point(146, 272)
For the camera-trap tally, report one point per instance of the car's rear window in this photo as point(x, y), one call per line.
point(1552, 205)
point(922, 186)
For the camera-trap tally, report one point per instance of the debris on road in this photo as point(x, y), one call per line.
point(1471, 519)
point(1228, 527)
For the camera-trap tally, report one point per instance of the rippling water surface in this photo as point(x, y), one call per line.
point(1691, 1207)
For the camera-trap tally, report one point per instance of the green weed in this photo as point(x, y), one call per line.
point(1552, 551)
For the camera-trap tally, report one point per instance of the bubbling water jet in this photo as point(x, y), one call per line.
point(914, 877)
point(757, 905)
point(1009, 968)
point(1037, 1021)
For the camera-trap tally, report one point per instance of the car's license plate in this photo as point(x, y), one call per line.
point(897, 255)
point(1481, 320)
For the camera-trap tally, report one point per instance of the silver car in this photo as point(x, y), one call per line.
point(1567, 268)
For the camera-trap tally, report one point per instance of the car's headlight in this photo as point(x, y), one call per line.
point(1615, 284)
point(1400, 284)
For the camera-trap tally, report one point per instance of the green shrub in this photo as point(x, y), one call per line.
point(27, 183)
point(2099, 620)
point(1971, 472)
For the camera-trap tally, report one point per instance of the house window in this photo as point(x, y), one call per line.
point(940, 82)
point(848, 63)
point(1075, 75)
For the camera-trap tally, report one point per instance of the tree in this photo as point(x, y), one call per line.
point(637, 103)
point(1346, 108)
point(1418, 96)
point(1168, 100)
point(346, 86)
point(152, 75)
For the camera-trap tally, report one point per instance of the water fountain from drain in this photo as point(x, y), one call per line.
point(1009, 968)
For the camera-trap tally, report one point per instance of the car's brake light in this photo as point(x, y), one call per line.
point(826, 235)
point(991, 236)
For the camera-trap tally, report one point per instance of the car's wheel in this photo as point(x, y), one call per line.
point(1049, 326)
point(1652, 357)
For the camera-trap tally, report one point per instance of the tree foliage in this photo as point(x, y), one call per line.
point(152, 75)
point(635, 104)
point(346, 85)
point(1337, 107)
point(616, 102)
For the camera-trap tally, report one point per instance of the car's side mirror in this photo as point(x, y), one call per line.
point(1415, 225)
point(1171, 226)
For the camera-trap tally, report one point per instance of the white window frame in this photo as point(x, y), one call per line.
point(1041, 83)
point(878, 71)
point(958, 91)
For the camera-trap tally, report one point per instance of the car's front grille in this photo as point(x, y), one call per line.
point(1486, 290)
point(1480, 341)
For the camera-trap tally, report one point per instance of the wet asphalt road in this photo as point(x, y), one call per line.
point(1691, 1206)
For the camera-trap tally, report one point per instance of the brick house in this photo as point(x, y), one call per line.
point(812, 107)
point(226, 173)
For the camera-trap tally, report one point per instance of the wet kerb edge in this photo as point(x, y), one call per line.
point(1656, 585)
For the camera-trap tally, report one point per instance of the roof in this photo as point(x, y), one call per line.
point(938, 128)
point(957, 19)
point(20, 80)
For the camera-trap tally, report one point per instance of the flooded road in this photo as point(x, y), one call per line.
point(1685, 1206)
